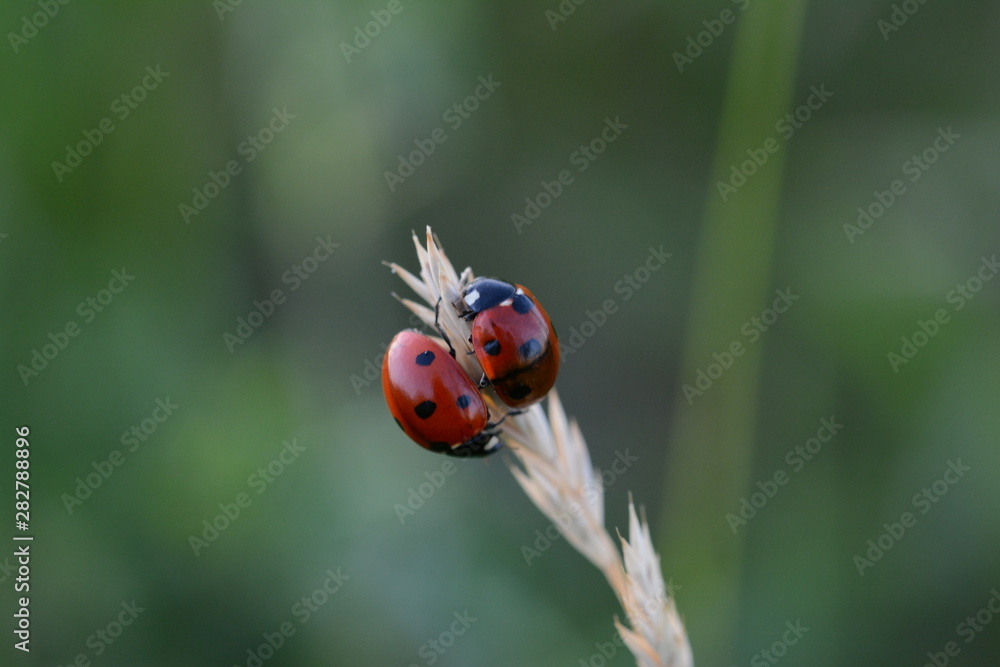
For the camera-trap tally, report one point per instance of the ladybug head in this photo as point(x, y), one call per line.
point(483, 293)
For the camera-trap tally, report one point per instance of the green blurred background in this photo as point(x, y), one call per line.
point(230, 73)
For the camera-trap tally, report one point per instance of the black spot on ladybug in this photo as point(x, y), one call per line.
point(522, 304)
point(425, 358)
point(519, 391)
point(462, 401)
point(400, 425)
point(425, 409)
point(492, 347)
point(531, 349)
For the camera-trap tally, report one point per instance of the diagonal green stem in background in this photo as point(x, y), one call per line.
point(713, 439)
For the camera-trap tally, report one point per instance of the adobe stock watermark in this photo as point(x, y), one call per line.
point(968, 629)
point(364, 34)
point(435, 647)
point(562, 12)
point(121, 108)
point(295, 276)
point(580, 159)
point(923, 501)
point(900, 15)
point(417, 496)
point(913, 169)
point(131, 440)
point(106, 635)
point(752, 330)
point(545, 538)
point(958, 297)
point(88, 310)
point(625, 289)
point(248, 150)
point(22, 617)
point(224, 7)
point(302, 610)
point(259, 481)
point(454, 116)
point(696, 44)
point(653, 605)
point(796, 459)
point(786, 126)
point(371, 369)
point(30, 25)
point(779, 649)
point(603, 652)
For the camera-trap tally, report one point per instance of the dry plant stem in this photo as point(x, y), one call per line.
point(553, 467)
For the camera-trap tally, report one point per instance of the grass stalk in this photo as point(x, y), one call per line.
point(552, 464)
point(713, 438)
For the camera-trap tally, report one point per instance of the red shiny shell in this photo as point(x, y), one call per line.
point(432, 398)
point(517, 348)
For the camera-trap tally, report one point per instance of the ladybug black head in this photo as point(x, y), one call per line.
point(483, 293)
point(478, 447)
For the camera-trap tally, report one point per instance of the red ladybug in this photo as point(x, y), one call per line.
point(433, 400)
point(513, 339)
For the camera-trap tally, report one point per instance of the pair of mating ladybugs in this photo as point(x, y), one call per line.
point(438, 405)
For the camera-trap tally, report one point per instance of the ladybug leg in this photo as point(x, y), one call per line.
point(437, 325)
point(494, 426)
point(510, 413)
point(483, 382)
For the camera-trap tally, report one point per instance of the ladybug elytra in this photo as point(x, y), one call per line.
point(513, 339)
point(433, 400)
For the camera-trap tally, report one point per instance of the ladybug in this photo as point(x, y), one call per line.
point(513, 339)
point(433, 400)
